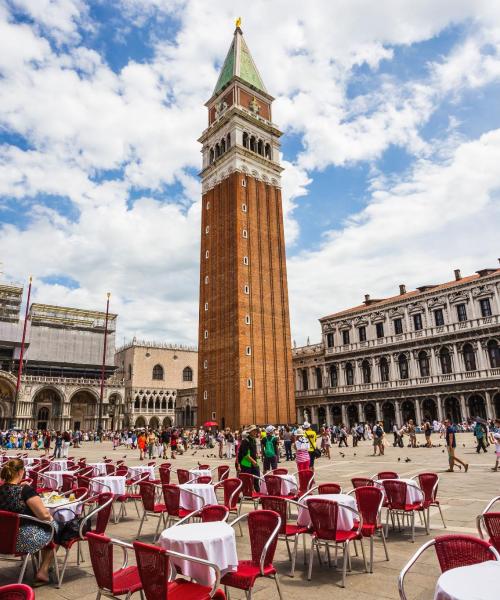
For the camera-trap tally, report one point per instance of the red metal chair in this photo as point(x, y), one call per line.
point(428, 483)
point(110, 468)
point(183, 476)
point(287, 530)
point(452, 551)
point(204, 479)
point(123, 582)
point(223, 472)
point(231, 488)
point(16, 591)
point(153, 564)
point(329, 488)
point(172, 498)
point(131, 495)
point(361, 482)
point(263, 528)
point(208, 514)
point(491, 521)
point(147, 491)
point(396, 492)
point(387, 475)
point(8, 539)
point(306, 482)
point(203, 467)
point(121, 471)
point(369, 500)
point(152, 463)
point(248, 493)
point(280, 471)
point(164, 474)
point(68, 482)
point(273, 485)
point(101, 512)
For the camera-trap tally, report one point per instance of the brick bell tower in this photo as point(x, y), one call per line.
point(245, 365)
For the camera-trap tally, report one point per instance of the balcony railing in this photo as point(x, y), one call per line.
point(69, 380)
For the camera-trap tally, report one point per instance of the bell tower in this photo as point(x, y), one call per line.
point(245, 366)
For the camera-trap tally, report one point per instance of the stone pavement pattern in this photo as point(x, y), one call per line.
point(462, 496)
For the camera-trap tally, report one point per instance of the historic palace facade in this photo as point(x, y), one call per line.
point(245, 363)
point(425, 354)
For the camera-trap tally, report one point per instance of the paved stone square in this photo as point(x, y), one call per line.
point(463, 496)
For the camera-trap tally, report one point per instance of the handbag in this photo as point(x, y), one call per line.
point(316, 452)
point(71, 530)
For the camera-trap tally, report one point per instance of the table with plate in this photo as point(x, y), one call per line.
point(142, 470)
point(108, 483)
point(55, 504)
point(58, 464)
point(477, 582)
point(54, 479)
point(214, 542)
point(346, 517)
point(190, 502)
point(99, 468)
point(288, 485)
point(195, 473)
point(413, 492)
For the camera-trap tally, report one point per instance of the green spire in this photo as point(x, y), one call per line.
point(239, 63)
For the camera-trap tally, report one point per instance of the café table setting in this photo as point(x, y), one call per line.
point(288, 484)
point(108, 483)
point(345, 516)
point(195, 473)
point(194, 496)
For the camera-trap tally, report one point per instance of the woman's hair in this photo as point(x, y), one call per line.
point(10, 469)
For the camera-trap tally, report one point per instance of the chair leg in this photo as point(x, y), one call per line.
point(371, 553)
point(56, 564)
point(98, 595)
point(413, 526)
point(385, 544)
point(23, 568)
point(328, 555)
point(140, 526)
point(278, 586)
point(65, 563)
point(160, 518)
point(442, 517)
point(294, 555)
point(311, 558)
point(363, 553)
point(288, 548)
point(344, 564)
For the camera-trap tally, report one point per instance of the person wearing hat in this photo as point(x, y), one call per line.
point(247, 455)
point(269, 445)
point(301, 450)
point(311, 436)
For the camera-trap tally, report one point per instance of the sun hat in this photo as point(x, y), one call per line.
point(270, 428)
point(251, 428)
point(299, 431)
point(307, 425)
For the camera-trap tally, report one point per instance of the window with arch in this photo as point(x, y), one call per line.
point(164, 404)
point(187, 374)
point(206, 305)
point(217, 150)
point(305, 379)
point(207, 229)
point(158, 372)
point(246, 289)
point(349, 374)
point(245, 233)
point(249, 383)
point(137, 403)
point(157, 404)
point(245, 140)
point(170, 404)
point(494, 354)
point(247, 319)
point(207, 206)
point(403, 366)
point(260, 147)
point(223, 146)
point(253, 144)
point(445, 360)
point(267, 151)
point(244, 208)
point(206, 279)
point(43, 414)
point(367, 372)
point(212, 155)
point(334, 378)
point(319, 378)
point(469, 358)
point(150, 404)
point(423, 364)
point(384, 369)
point(245, 260)
point(228, 141)
point(207, 253)
point(144, 403)
point(205, 334)
point(205, 394)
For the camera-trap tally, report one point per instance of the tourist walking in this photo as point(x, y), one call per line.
point(229, 444)
point(301, 450)
point(480, 435)
point(311, 436)
point(247, 455)
point(495, 439)
point(378, 439)
point(270, 449)
point(451, 444)
point(326, 442)
point(287, 441)
point(412, 432)
point(343, 436)
point(141, 444)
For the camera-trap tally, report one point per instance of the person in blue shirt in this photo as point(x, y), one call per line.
point(451, 444)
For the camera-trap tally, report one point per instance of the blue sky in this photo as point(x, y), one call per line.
point(391, 130)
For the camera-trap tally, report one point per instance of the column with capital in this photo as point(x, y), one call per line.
point(435, 367)
point(489, 405)
point(361, 416)
point(418, 411)
point(399, 416)
point(378, 411)
point(439, 407)
point(343, 409)
point(481, 355)
point(299, 415)
point(314, 415)
point(463, 407)
point(458, 360)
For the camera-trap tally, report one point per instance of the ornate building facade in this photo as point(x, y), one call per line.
point(428, 353)
point(245, 367)
point(153, 376)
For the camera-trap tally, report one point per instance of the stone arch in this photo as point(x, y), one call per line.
point(267, 151)
point(388, 415)
point(352, 415)
point(150, 403)
point(52, 398)
point(246, 143)
point(477, 406)
point(321, 415)
point(469, 356)
point(493, 350)
point(154, 423)
point(452, 409)
point(167, 422)
point(336, 414)
point(137, 402)
point(144, 403)
point(187, 374)
point(370, 413)
point(366, 371)
point(84, 410)
point(408, 411)
point(140, 422)
point(429, 410)
point(157, 404)
point(7, 393)
point(164, 403)
point(170, 404)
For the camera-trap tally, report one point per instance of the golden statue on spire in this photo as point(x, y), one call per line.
point(238, 22)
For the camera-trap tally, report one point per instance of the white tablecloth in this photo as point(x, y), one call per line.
point(58, 464)
point(52, 475)
point(476, 582)
point(103, 484)
point(288, 485)
point(62, 515)
point(141, 470)
point(200, 473)
point(345, 520)
point(31, 461)
point(412, 495)
point(206, 490)
point(99, 468)
point(212, 541)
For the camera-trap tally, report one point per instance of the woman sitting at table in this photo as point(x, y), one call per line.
point(21, 498)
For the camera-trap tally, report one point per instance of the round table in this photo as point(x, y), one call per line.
point(108, 483)
point(141, 470)
point(288, 485)
point(59, 464)
point(190, 502)
point(413, 493)
point(212, 541)
point(475, 582)
point(54, 479)
point(200, 473)
point(99, 468)
point(72, 509)
point(345, 520)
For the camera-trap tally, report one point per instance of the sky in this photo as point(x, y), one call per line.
point(391, 147)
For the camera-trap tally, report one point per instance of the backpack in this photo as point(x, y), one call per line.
point(379, 432)
point(269, 447)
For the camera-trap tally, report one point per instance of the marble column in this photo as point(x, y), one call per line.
point(399, 416)
point(458, 360)
point(314, 415)
point(343, 409)
point(463, 407)
point(418, 411)
point(481, 357)
point(299, 415)
point(361, 415)
point(378, 411)
point(439, 407)
point(490, 413)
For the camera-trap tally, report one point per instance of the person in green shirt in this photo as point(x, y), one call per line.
point(247, 455)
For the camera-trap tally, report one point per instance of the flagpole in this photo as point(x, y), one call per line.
point(103, 370)
point(21, 357)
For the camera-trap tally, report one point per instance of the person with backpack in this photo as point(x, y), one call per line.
point(480, 435)
point(378, 439)
point(229, 444)
point(270, 450)
point(247, 455)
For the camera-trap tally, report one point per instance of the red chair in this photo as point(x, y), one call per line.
point(287, 530)
point(248, 493)
point(273, 485)
point(280, 471)
point(452, 551)
point(121, 471)
point(208, 514)
point(369, 500)
point(324, 522)
point(154, 571)
point(204, 479)
point(203, 467)
point(183, 476)
point(329, 488)
point(172, 498)
point(147, 491)
point(306, 482)
point(68, 482)
point(10, 529)
point(16, 591)
point(131, 495)
point(223, 472)
point(110, 468)
point(263, 527)
point(361, 482)
point(164, 474)
point(231, 488)
point(428, 483)
point(123, 582)
point(152, 463)
point(387, 475)
point(491, 521)
point(101, 512)
point(396, 494)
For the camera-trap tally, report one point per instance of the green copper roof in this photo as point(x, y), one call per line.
point(239, 62)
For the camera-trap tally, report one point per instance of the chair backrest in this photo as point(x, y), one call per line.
point(461, 551)
point(110, 469)
point(104, 507)
point(492, 524)
point(323, 514)
point(152, 463)
point(101, 555)
point(10, 530)
point(361, 482)
point(306, 478)
point(231, 496)
point(121, 471)
point(427, 483)
point(213, 512)
point(79, 492)
point(203, 467)
point(165, 465)
point(223, 472)
point(278, 505)
point(273, 485)
point(280, 471)
point(82, 481)
point(67, 484)
point(17, 591)
point(164, 475)
point(368, 500)
point(329, 488)
point(183, 476)
point(247, 484)
point(387, 475)
point(153, 565)
point(172, 497)
point(396, 493)
point(261, 525)
point(204, 479)
point(147, 492)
